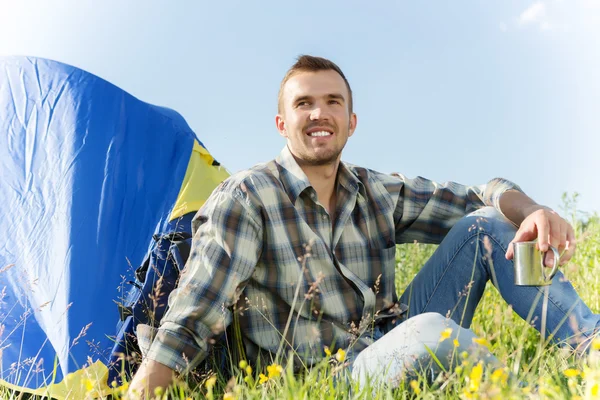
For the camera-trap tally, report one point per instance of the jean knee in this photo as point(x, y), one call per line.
point(489, 221)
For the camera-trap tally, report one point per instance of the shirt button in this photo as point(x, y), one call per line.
point(324, 216)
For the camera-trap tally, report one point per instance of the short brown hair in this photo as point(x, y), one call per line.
point(306, 63)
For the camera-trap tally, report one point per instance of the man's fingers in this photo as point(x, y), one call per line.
point(543, 230)
point(525, 233)
point(510, 252)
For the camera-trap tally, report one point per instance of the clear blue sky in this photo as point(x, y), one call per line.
point(463, 91)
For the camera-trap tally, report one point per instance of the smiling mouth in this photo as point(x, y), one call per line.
point(320, 134)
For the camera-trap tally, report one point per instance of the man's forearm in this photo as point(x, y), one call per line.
point(516, 206)
point(150, 376)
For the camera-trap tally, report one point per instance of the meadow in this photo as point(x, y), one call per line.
point(534, 368)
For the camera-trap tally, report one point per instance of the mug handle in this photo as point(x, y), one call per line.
point(554, 267)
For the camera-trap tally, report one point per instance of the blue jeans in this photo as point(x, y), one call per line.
point(451, 283)
point(473, 251)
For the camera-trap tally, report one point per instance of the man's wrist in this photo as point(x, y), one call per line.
point(516, 206)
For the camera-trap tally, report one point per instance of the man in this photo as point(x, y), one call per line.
point(302, 249)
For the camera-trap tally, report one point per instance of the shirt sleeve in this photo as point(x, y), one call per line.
point(427, 210)
point(226, 246)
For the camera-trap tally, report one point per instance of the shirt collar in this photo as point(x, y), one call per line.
point(295, 180)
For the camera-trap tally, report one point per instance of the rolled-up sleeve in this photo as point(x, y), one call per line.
point(427, 210)
point(226, 245)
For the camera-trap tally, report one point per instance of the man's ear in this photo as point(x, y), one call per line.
point(352, 126)
point(280, 123)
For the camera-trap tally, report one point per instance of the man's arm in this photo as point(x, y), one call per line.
point(537, 222)
point(225, 249)
point(427, 210)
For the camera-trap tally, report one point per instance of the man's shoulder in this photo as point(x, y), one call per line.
point(259, 177)
point(369, 176)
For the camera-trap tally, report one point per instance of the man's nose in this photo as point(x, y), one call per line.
point(317, 114)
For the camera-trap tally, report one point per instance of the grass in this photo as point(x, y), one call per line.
point(542, 370)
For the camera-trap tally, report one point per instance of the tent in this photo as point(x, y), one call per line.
point(90, 175)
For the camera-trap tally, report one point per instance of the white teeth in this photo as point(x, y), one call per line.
point(320, 133)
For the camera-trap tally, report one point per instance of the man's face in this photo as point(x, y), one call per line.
point(315, 118)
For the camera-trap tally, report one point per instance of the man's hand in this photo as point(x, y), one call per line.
point(548, 228)
point(149, 376)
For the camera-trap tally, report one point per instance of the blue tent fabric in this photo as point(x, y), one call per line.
point(89, 174)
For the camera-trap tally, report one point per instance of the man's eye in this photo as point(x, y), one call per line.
point(302, 103)
point(334, 102)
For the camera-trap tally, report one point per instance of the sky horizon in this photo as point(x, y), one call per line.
point(452, 93)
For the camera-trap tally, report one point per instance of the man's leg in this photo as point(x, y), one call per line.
point(405, 351)
point(454, 278)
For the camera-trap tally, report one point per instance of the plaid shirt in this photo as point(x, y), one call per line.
point(264, 245)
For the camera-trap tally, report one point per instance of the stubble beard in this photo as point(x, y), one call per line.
point(315, 161)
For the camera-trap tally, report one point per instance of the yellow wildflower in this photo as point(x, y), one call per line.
point(89, 385)
point(262, 378)
point(596, 344)
point(456, 343)
point(445, 334)
point(475, 377)
point(415, 387)
point(499, 375)
point(327, 351)
point(158, 391)
point(243, 364)
point(228, 396)
point(248, 370)
point(481, 342)
point(274, 370)
point(210, 382)
point(571, 373)
point(340, 355)
point(594, 390)
point(124, 387)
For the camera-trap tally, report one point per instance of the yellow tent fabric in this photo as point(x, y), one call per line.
point(201, 178)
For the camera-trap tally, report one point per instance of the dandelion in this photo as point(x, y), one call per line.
point(571, 373)
point(274, 370)
point(594, 390)
point(456, 343)
point(415, 387)
point(596, 344)
point(445, 334)
point(262, 378)
point(481, 342)
point(340, 355)
point(327, 351)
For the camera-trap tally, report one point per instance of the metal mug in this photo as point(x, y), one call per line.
point(529, 265)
